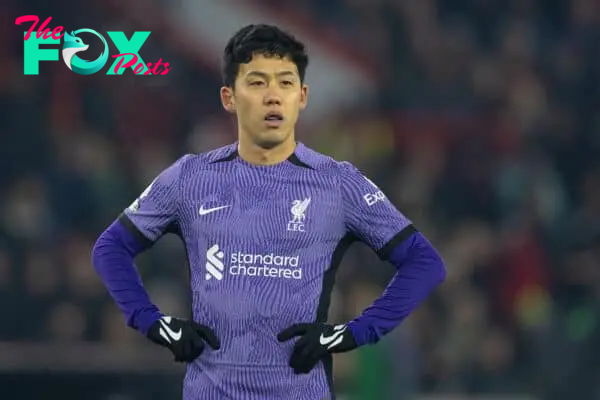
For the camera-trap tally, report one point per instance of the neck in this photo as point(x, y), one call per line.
point(254, 154)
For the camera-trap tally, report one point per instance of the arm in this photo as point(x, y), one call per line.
point(374, 220)
point(420, 270)
point(138, 227)
point(113, 258)
point(152, 215)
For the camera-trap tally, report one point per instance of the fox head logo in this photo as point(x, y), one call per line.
point(73, 44)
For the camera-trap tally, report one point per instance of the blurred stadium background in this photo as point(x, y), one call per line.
point(479, 118)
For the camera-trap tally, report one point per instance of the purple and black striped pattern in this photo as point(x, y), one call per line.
point(262, 243)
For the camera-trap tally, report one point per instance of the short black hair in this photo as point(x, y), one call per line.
point(267, 40)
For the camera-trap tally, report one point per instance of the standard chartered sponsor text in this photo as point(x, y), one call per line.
point(265, 265)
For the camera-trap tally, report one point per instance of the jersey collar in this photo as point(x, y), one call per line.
point(295, 158)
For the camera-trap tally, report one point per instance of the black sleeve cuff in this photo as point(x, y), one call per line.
point(385, 252)
point(139, 236)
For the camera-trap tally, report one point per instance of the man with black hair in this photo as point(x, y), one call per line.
point(265, 222)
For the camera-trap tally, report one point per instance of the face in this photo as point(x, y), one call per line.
point(267, 98)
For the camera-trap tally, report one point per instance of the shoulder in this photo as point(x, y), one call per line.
point(218, 154)
point(345, 173)
point(194, 163)
point(324, 163)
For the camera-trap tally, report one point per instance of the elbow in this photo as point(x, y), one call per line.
point(437, 266)
point(440, 270)
point(114, 240)
point(103, 244)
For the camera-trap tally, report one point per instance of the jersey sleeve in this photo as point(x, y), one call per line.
point(157, 208)
point(369, 215)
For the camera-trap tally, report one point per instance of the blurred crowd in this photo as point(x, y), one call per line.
point(486, 133)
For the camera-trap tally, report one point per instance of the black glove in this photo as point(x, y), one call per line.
point(317, 341)
point(184, 338)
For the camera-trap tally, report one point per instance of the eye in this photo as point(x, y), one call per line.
point(287, 83)
point(256, 83)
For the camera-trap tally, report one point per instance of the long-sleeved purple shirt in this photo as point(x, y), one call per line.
point(264, 243)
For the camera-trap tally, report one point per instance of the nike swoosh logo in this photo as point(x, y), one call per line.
point(204, 211)
point(175, 336)
point(325, 340)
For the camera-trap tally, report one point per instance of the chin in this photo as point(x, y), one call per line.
point(271, 139)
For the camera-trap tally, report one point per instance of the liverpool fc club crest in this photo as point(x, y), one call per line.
point(298, 211)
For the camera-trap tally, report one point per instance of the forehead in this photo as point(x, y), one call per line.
point(267, 65)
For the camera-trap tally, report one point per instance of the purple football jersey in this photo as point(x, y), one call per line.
point(263, 244)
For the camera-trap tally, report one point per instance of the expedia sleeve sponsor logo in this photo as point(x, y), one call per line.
point(372, 198)
point(249, 265)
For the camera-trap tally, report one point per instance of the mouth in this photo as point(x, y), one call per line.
point(274, 119)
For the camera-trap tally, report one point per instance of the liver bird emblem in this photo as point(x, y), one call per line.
point(299, 209)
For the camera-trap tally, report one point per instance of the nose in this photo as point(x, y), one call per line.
point(272, 98)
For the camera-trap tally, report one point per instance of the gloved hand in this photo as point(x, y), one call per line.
point(184, 338)
point(316, 341)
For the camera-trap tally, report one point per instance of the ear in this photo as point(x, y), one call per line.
point(228, 99)
point(303, 96)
